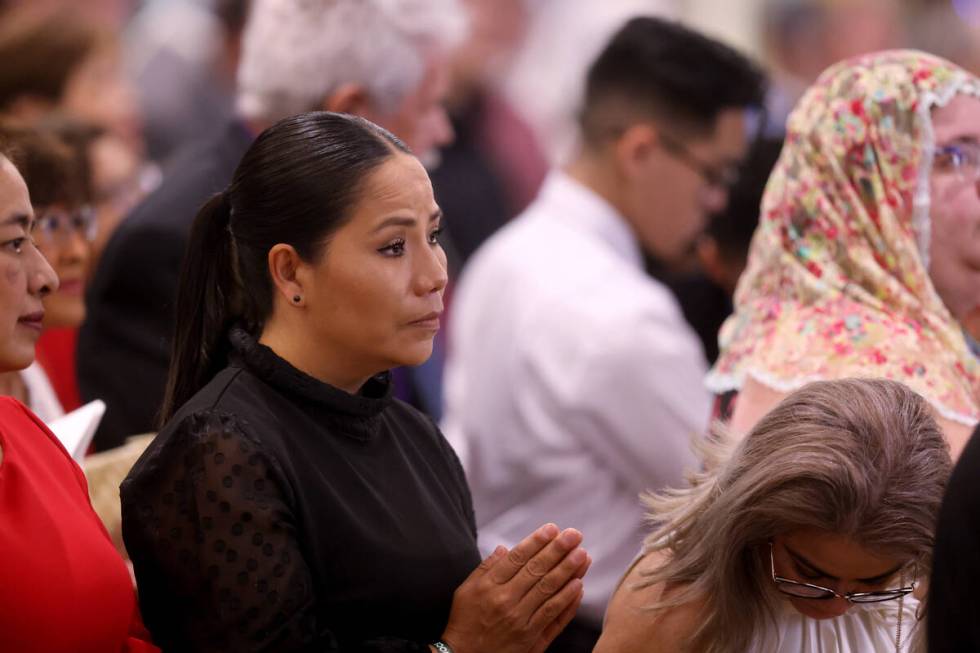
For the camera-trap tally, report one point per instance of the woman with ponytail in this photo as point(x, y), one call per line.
point(289, 502)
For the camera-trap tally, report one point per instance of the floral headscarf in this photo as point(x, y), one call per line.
point(837, 282)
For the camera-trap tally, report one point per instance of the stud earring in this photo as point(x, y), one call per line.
point(297, 299)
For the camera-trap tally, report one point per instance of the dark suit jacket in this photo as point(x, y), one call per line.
point(124, 344)
point(954, 589)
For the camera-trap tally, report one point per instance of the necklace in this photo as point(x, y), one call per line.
point(898, 628)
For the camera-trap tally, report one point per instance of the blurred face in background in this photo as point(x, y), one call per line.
point(64, 237)
point(496, 30)
point(118, 184)
point(672, 184)
point(97, 91)
point(954, 265)
point(25, 277)
point(420, 120)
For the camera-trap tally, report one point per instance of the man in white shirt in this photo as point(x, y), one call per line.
point(573, 383)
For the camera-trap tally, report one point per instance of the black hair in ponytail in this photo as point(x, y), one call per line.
point(296, 185)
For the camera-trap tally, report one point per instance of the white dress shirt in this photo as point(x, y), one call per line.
point(573, 383)
point(41, 397)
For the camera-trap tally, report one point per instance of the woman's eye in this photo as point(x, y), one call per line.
point(434, 236)
point(397, 248)
point(16, 245)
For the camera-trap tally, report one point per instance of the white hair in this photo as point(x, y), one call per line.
point(295, 53)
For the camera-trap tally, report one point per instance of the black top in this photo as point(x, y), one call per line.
point(954, 589)
point(124, 343)
point(277, 513)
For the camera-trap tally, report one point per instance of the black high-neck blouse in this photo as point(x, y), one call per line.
point(277, 513)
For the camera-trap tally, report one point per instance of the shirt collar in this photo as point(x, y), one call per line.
point(585, 210)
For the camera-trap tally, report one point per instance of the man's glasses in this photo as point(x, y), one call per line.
point(963, 158)
point(811, 591)
point(52, 225)
point(720, 177)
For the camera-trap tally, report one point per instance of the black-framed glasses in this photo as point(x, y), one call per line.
point(723, 177)
point(53, 225)
point(962, 157)
point(819, 593)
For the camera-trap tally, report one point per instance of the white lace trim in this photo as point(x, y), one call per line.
point(721, 383)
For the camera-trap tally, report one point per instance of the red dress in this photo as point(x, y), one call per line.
point(55, 352)
point(63, 586)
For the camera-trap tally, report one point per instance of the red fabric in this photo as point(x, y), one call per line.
point(55, 353)
point(63, 586)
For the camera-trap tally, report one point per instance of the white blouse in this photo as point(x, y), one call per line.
point(868, 628)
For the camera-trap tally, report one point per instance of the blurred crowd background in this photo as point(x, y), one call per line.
point(120, 91)
point(151, 77)
point(144, 79)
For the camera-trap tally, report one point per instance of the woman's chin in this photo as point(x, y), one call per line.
point(13, 359)
point(415, 355)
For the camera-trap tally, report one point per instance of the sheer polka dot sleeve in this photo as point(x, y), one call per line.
point(210, 529)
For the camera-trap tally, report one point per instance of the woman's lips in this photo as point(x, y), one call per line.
point(430, 321)
point(32, 320)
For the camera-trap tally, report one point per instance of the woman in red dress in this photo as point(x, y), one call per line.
point(63, 587)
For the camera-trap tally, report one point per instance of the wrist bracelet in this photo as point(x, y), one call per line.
point(442, 647)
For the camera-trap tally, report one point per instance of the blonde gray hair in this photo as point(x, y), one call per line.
point(858, 457)
point(295, 53)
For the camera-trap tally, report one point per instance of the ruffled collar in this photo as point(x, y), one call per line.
point(373, 398)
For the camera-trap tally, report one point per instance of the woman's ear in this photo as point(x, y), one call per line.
point(287, 270)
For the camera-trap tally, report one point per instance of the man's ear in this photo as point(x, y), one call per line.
point(635, 149)
point(350, 97)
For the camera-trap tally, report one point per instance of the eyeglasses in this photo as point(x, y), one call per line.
point(53, 225)
point(810, 591)
point(964, 158)
point(721, 177)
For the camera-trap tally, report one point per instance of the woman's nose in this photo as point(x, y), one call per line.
point(42, 279)
point(432, 274)
point(838, 606)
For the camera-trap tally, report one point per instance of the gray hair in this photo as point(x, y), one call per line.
point(858, 457)
point(295, 53)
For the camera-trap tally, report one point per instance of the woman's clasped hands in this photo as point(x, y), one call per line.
point(517, 601)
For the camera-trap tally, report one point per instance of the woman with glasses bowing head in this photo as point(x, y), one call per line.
point(290, 503)
point(806, 536)
point(866, 261)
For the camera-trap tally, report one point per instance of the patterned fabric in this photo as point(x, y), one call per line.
point(837, 283)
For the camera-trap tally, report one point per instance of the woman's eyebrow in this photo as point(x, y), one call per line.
point(877, 579)
point(405, 221)
point(817, 570)
point(969, 139)
point(395, 221)
point(806, 563)
point(19, 219)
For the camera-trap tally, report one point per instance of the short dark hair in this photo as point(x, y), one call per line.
point(52, 170)
point(661, 69)
point(296, 185)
